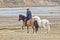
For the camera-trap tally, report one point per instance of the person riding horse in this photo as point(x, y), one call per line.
point(28, 15)
point(28, 21)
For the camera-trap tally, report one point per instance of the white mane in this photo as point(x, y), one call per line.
point(37, 17)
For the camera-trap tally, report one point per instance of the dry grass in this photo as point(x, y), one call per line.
point(10, 27)
point(55, 26)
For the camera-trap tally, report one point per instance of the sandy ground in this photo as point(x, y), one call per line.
point(54, 34)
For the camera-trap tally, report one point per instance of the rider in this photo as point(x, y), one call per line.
point(28, 15)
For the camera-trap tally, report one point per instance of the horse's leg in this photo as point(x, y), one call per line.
point(27, 29)
point(22, 28)
point(36, 30)
point(47, 30)
point(40, 28)
point(33, 29)
point(22, 24)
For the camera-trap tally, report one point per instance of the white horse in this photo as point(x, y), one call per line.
point(44, 23)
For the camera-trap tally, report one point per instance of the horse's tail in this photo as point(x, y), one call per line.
point(36, 25)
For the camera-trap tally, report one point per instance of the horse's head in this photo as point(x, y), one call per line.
point(21, 17)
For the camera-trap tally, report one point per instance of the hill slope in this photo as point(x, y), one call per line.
point(28, 3)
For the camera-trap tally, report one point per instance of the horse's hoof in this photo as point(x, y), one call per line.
point(36, 32)
point(27, 32)
point(23, 29)
point(33, 32)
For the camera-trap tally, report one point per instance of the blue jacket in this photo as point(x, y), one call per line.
point(29, 15)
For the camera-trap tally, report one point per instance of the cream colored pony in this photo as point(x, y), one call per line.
point(44, 23)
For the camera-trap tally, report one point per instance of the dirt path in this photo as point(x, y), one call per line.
point(22, 35)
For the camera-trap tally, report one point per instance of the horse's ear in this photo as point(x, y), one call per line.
point(19, 15)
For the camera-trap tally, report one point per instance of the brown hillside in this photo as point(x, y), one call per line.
point(28, 3)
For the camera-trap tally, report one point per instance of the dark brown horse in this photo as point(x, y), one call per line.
point(30, 23)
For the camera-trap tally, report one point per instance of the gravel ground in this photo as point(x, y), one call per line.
point(54, 34)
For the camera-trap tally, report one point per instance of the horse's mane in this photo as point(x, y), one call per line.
point(37, 17)
point(22, 16)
